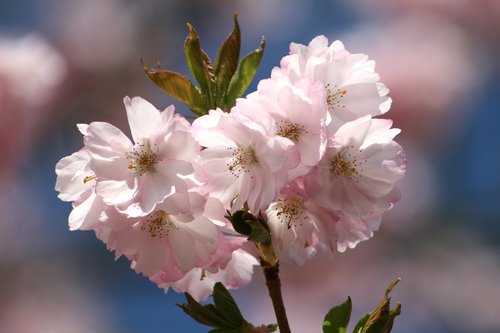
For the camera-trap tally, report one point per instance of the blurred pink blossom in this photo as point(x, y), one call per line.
point(97, 35)
point(449, 275)
point(31, 72)
point(483, 15)
point(436, 72)
point(42, 296)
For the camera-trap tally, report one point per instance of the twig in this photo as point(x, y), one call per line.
point(271, 272)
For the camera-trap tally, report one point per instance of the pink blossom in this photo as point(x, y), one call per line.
point(199, 282)
point(74, 176)
point(296, 224)
point(352, 85)
point(300, 227)
point(351, 231)
point(135, 176)
point(302, 152)
point(296, 112)
point(76, 182)
point(240, 164)
point(167, 239)
point(357, 175)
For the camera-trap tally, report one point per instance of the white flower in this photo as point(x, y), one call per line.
point(240, 164)
point(296, 112)
point(135, 176)
point(74, 176)
point(199, 282)
point(166, 239)
point(351, 231)
point(76, 182)
point(357, 175)
point(353, 87)
point(292, 229)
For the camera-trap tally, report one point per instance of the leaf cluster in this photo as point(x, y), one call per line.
point(220, 83)
point(380, 320)
point(224, 315)
point(246, 224)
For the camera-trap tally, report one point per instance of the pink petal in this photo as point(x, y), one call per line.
point(144, 119)
point(106, 141)
point(114, 192)
point(181, 244)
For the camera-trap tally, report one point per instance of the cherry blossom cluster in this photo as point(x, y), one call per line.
point(303, 152)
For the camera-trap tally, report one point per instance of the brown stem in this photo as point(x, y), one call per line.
point(271, 272)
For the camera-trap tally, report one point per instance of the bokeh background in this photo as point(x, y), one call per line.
point(72, 61)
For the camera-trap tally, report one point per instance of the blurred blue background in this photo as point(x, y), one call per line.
point(68, 62)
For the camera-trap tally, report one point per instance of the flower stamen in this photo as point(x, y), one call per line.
point(89, 179)
point(243, 158)
point(143, 158)
point(291, 212)
point(345, 164)
point(289, 130)
point(333, 94)
point(158, 224)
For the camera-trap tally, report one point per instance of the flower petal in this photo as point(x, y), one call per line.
point(144, 119)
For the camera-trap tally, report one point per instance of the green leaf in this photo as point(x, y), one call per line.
point(361, 323)
point(179, 87)
point(272, 327)
point(239, 221)
point(337, 319)
point(223, 330)
point(381, 320)
point(206, 315)
point(199, 64)
point(226, 306)
point(224, 316)
point(384, 323)
point(248, 225)
point(244, 75)
point(259, 233)
point(227, 61)
point(392, 316)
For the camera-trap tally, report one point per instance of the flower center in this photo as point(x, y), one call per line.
point(142, 158)
point(203, 274)
point(243, 158)
point(344, 164)
point(89, 178)
point(289, 130)
point(158, 224)
point(291, 212)
point(334, 96)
